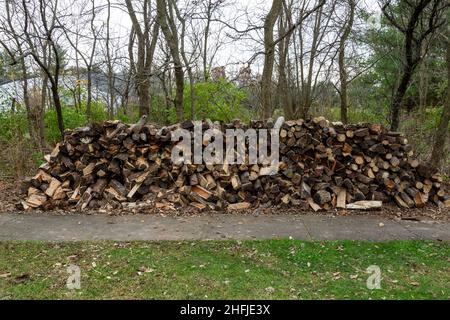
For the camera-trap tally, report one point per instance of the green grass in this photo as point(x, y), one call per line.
point(271, 269)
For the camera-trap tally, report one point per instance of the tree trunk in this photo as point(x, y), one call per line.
point(413, 47)
point(423, 82)
point(342, 68)
point(179, 83)
point(186, 60)
point(58, 108)
point(89, 94)
point(399, 95)
point(283, 87)
point(26, 100)
point(307, 87)
point(109, 62)
point(141, 79)
point(269, 57)
point(42, 112)
point(143, 91)
point(169, 30)
point(205, 43)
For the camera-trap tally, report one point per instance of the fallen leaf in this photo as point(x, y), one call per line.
point(146, 270)
point(270, 290)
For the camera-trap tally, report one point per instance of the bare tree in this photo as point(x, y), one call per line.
point(146, 37)
point(283, 43)
point(417, 20)
point(187, 61)
point(19, 55)
point(87, 57)
point(207, 12)
point(285, 22)
point(109, 63)
point(269, 57)
point(343, 78)
point(47, 19)
point(316, 54)
point(166, 21)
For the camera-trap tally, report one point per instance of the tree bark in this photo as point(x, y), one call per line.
point(186, 61)
point(205, 43)
point(170, 34)
point(342, 68)
point(399, 95)
point(110, 73)
point(283, 50)
point(42, 142)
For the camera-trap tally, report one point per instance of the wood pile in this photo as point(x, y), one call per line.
point(323, 165)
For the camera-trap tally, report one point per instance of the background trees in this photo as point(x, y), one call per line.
point(83, 61)
point(417, 21)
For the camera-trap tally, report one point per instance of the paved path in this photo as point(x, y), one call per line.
point(217, 226)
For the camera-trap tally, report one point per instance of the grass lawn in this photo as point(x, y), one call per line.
point(270, 269)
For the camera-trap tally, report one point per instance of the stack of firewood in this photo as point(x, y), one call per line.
point(322, 165)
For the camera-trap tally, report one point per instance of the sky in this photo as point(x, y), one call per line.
point(232, 54)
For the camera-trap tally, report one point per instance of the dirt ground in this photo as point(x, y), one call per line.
point(10, 198)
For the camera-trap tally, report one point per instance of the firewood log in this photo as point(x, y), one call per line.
point(327, 164)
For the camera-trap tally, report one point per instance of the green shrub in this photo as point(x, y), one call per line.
point(217, 100)
point(13, 123)
point(98, 111)
point(72, 119)
point(124, 117)
point(38, 158)
point(358, 115)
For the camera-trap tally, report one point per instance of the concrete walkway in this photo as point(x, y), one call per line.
point(217, 226)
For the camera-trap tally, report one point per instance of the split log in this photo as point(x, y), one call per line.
point(330, 165)
point(365, 205)
point(239, 206)
point(341, 198)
